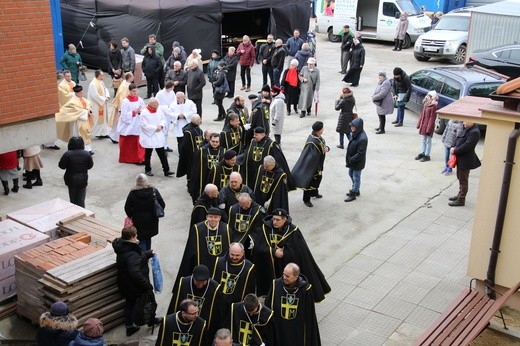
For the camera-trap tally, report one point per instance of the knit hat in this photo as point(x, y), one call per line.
point(266, 88)
point(294, 62)
point(280, 212)
point(201, 273)
point(311, 61)
point(259, 129)
point(93, 328)
point(382, 73)
point(228, 155)
point(432, 94)
point(318, 125)
point(252, 97)
point(59, 309)
point(398, 71)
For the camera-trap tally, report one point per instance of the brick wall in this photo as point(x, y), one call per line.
point(27, 65)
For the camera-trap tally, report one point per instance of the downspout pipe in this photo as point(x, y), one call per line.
point(501, 212)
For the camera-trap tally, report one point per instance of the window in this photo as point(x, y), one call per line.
point(482, 89)
point(419, 78)
point(389, 9)
point(515, 55)
point(451, 89)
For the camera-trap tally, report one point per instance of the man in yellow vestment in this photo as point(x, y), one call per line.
point(65, 93)
point(98, 95)
point(77, 111)
point(122, 93)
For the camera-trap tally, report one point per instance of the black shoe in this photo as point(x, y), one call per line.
point(149, 173)
point(218, 119)
point(139, 163)
point(318, 196)
point(156, 322)
point(131, 330)
point(420, 156)
point(230, 96)
point(115, 142)
point(352, 193)
point(168, 150)
point(340, 146)
point(288, 112)
point(425, 158)
point(27, 186)
point(380, 132)
point(91, 153)
point(54, 147)
point(354, 85)
point(343, 72)
point(350, 198)
point(308, 203)
point(395, 122)
point(38, 182)
point(398, 125)
point(394, 49)
point(454, 198)
point(377, 128)
point(302, 115)
point(15, 188)
point(457, 203)
point(167, 174)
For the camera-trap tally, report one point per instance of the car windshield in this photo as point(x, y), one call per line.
point(410, 7)
point(455, 23)
point(482, 89)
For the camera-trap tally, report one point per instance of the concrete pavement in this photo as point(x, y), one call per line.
point(395, 257)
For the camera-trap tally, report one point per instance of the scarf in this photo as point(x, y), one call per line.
point(132, 98)
point(101, 91)
point(292, 77)
point(151, 109)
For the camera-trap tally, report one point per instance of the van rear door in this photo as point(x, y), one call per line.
point(386, 21)
point(345, 13)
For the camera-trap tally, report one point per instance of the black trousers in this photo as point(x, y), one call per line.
point(221, 110)
point(463, 177)
point(231, 92)
point(245, 73)
point(382, 122)
point(152, 86)
point(129, 307)
point(278, 139)
point(162, 157)
point(77, 195)
point(267, 69)
point(198, 104)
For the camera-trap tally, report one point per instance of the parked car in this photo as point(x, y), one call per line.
point(451, 84)
point(447, 40)
point(504, 59)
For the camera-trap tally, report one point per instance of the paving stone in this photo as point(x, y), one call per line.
point(364, 262)
point(343, 319)
point(350, 275)
point(406, 233)
point(408, 292)
point(340, 289)
point(408, 257)
point(384, 247)
point(440, 230)
point(364, 298)
point(378, 283)
point(465, 213)
point(450, 222)
point(422, 317)
point(422, 280)
point(392, 271)
point(380, 324)
point(434, 268)
point(426, 242)
point(395, 307)
point(362, 338)
point(326, 306)
point(406, 334)
point(420, 219)
point(439, 298)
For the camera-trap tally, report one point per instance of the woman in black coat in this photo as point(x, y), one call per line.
point(345, 104)
point(357, 61)
point(76, 162)
point(132, 272)
point(290, 84)
point(139, 207)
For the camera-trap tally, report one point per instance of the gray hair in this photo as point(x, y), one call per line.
point(141, 181)
point(269, 159)
point(223, 334)
point(294, 62)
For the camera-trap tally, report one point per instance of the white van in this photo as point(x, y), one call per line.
point(374, 19)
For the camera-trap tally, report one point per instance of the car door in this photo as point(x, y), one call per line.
point(422, 82)
point(386, 21)
point(450, 91)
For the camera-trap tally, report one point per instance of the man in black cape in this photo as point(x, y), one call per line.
point(307, 172)
point(252, 323)
point(191, 141)
point(259, 147)
point(239, 107)
point(228, 196)
point(183, 327)
point(205, 291)
point(280, 243)
point(207, 241)
point(232, 135)
point(208, 199)
point(259, 116)
point(206, 159)
point(236, 275)
point(219, 174)
point(245, 221)
point(270, 187)
point(294, 313)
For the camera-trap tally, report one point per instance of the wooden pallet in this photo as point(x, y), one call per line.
point(100, 231)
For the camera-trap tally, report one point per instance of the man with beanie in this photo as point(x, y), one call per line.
point(92, 334)
point(307, 172)
point(220, 173)
point(356, 157)
point(402, 93)
point(346, 47)
point(57, 326)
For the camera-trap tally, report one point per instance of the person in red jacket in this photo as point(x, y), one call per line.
point(8, 170)
point(426, 125)
point(246, 52)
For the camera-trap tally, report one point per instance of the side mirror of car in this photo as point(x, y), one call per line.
point(397, 15)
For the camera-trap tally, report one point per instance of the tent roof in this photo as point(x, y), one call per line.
point(506, 8)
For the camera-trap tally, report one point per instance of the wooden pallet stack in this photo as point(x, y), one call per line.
point(89, 286)
point(30, 266)
point(100, 231)
point(15, 238)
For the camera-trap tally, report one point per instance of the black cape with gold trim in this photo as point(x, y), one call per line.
point(272, 186)
point(201, 250)
point(206, 159)
point(294, 313)
point(229, 197)
point(259, 118)
point(254, 158)
point(261, 332)
point(169, 333)
point(295, 249)
point(208, 297)
point(245, 224)
point(200, 208)
point(191, 141)
point(219, 175)
point(235, 283)
point(232, 139)
point(310, 162)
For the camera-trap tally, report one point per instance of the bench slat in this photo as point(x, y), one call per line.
point(477, 322)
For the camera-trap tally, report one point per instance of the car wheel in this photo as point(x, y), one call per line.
point(420, 57)
point(407, 42)
point(332, 37)
point(459, 56)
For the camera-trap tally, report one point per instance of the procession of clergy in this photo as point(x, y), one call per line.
point(242, 245)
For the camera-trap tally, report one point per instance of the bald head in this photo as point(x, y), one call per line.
point(235, 180)
point(196, 120)
point(211, 190)
point(177, 65)
point(236, 252)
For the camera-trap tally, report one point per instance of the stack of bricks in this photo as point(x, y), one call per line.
point(30, 267)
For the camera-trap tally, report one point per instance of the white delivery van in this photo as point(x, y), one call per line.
point(374, 19)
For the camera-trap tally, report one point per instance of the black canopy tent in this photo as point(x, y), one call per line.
point(194, 23)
